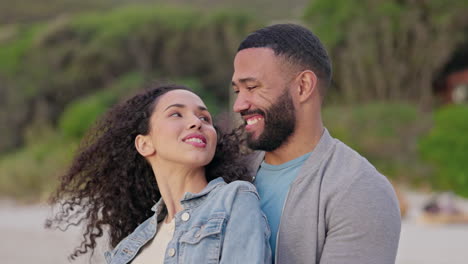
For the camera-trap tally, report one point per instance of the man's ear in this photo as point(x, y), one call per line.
point(144, 146)
point(308, 85)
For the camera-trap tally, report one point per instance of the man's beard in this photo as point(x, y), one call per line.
point(279, 124)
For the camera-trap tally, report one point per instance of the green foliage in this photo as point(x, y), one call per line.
point(31, 173)
point(16, 42)
point(446, 147)
point(59, 77)
point(83, 113)
point(385, 133)
point(110, 26)
point(90, 49)
point(328, 16)
point(208, 98)
point(384, 49)
point(27, 11)
point(74, 57)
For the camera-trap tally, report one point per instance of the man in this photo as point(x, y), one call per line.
point(325, 203)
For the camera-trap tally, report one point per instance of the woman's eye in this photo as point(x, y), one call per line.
point(205, 118)
point(176, 114)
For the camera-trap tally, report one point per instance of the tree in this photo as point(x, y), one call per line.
point(388, 49)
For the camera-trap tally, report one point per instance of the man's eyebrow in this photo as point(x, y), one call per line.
point(244, 80)
point(201, 108)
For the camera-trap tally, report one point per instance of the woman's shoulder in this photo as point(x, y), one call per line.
point(240, 185)
point(238, 188)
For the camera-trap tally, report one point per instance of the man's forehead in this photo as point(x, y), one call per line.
point(254, 63)
point(256, 54)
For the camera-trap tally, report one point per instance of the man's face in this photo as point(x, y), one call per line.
point(263, 98)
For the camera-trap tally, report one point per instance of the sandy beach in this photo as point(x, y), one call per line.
point(26, 241)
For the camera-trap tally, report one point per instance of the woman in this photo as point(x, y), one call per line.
point(161, 145)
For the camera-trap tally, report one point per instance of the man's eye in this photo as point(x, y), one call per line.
point(236, 91)
point(251, 87)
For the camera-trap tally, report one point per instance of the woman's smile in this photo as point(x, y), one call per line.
point(197, 140)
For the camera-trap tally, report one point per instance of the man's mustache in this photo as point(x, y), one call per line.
point(252, 112)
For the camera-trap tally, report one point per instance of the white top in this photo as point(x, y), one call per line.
point(154, 251)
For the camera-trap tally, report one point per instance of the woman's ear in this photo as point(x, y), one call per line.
point(144, 146)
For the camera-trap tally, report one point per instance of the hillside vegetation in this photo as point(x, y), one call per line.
point(64, 63)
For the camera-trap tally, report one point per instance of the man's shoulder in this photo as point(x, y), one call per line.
point(348, 161)
point(341, 167)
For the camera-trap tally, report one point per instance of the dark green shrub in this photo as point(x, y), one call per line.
point(76, 56)
point(15, 43)
point(80, 115)
point(385, 133)
point(31, 173)
point(446, 147)
point(384, 49)
point(209, 98)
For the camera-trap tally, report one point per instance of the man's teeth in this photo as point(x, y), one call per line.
point(253, 120)
point(194, 140)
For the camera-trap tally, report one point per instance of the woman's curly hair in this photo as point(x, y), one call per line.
point(110, 186)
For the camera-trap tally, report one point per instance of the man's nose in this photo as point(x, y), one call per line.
point(241, 103)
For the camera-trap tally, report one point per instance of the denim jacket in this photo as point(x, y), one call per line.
point(221, 224)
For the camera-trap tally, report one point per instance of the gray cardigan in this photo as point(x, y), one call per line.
point(339, 209)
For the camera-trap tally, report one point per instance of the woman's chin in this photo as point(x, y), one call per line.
point(196, 162)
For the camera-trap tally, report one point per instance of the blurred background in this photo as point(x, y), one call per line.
point(399, 97)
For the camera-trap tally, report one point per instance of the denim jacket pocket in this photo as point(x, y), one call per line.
point(128, 248)
point(203, 241)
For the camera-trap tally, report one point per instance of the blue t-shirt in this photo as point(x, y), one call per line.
point(272, 182)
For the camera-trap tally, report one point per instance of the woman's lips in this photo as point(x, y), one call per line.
point(196, 140)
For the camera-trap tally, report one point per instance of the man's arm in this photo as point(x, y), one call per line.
point(365, 225)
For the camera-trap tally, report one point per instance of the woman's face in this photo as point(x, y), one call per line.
point(181, 130)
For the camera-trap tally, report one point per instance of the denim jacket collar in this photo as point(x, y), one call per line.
point(190, 200)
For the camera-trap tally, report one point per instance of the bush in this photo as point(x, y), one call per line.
point(81, 114)
point(384, 49)
point(446, 147)
point(208, 98)
point(74, 57)
point(31, 173)
point(15, 42)
point(385, 133)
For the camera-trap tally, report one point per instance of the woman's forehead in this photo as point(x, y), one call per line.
point(179, 97)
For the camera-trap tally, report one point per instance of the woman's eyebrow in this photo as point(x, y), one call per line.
point(175, 105)
point(201, 108)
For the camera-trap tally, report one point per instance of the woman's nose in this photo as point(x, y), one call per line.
point(195, 123)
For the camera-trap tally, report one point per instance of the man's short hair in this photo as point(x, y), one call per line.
point(297, 44)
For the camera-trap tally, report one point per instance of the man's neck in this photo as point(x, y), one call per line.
point(300, 143)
